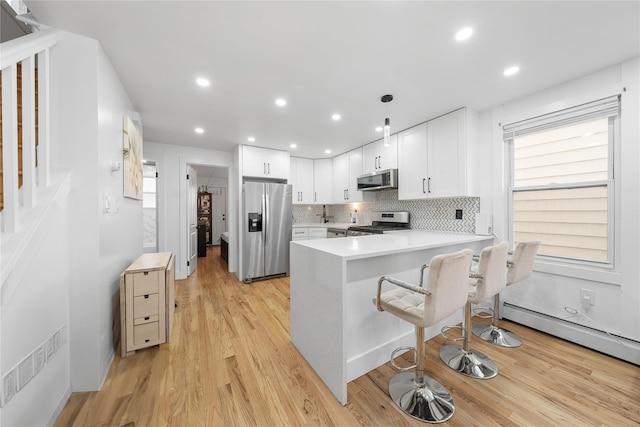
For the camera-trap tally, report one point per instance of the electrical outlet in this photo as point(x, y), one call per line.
point(587, 298)
point(458, 213)
point(9, 386)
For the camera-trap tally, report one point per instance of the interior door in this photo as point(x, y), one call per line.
point(192, 216)
point(218, 213)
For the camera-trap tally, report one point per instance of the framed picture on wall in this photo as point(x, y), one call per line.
point(132, 160)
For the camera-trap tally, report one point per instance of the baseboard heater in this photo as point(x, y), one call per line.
point(612, 345)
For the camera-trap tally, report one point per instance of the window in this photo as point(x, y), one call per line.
point(562, 181)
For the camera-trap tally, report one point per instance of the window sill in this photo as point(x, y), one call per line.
point(584, 272)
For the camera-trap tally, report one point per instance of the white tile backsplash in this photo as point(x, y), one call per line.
point(430, 214)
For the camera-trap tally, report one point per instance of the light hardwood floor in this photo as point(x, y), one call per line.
point(230, 363)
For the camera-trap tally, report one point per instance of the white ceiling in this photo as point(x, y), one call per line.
point(328, 57)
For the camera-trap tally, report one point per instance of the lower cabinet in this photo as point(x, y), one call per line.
point(147, 301)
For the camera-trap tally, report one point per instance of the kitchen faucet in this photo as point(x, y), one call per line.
point(325, 218)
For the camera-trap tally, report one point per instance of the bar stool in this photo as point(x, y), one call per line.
point(519, 267)
point(488, 281)
point(417, 394)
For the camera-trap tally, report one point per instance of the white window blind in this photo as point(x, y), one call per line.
point(562, 181)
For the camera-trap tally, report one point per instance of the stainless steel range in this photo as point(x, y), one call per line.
point(383, 222)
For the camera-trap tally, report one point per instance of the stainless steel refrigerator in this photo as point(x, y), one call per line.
point(266, 230)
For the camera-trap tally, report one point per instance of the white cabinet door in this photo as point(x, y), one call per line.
point(355, 170)
point(412, 163)
point(446, 155)
point(433, 158)
point(301, 180)
point(340, 178)
point(323, 181)
point(265, 163)
point(299, 233)
point(377, 157)
point(317, 233)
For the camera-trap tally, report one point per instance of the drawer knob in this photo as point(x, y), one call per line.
point(147, 340)
point(146, 296)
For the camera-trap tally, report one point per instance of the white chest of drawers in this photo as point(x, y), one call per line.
point(147, 301)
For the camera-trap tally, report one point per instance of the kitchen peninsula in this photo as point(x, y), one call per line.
point(334, 323)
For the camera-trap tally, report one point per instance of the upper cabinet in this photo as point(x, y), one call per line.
point(377, 157)
point(435, 159)
point(347, 168)
point(301, 180)
point(265, 163)
point(323, 181)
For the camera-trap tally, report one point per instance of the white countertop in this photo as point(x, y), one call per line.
point(389, 243)
point(342, 225)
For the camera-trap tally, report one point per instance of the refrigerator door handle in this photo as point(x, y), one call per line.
point(265, 218)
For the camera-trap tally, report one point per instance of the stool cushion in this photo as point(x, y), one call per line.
point(405, 304)
point(446, 280)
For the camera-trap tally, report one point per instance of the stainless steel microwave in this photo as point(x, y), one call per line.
point(381, 180)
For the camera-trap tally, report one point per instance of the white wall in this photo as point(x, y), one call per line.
point(35, 304)
point(70, 272)
point(552, 288)
point(91, 101)
point(171, 161)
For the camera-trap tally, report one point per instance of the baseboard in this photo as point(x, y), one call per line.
point(59, 407)
point(615, 346)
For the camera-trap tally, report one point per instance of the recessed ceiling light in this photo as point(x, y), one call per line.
point(511, 70)
point(293, 145)
point(199, 130)
point(251, 139)
point(379, 129)
point(281, 102)
point(201, 81)
point(464, 34)
point(336, 117)
point(327, 151)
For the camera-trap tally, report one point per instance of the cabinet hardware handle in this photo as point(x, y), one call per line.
point(423, 180)
point(146, 273)
point(146, 318)
point(347, 194)
point(146, 297)
point(315, 196)
point(429, 185)
point(147, 340)
point(268, 168)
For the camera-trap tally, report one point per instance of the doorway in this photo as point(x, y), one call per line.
point(149, 207)
point(212, 186)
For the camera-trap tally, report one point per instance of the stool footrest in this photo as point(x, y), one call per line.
point(448, 338)
point(404, 368)
point(483, 312)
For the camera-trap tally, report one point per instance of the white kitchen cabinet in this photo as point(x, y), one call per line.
point(323, 181)
point(347, 168)
point(301, 180)
point(308, 233)
point(438, 158)
point(299, 233)
point(317, 233)
point(378, 157)
point(265, 163)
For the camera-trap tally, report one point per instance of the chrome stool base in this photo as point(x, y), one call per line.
point(429, 402)
point(471, 363)
point(497, 336)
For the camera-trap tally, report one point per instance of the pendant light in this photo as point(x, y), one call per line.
point(386, 130)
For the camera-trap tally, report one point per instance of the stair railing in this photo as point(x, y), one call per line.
point(29, 51)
